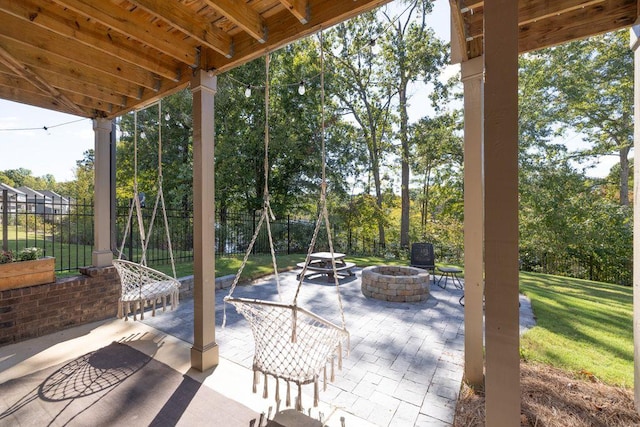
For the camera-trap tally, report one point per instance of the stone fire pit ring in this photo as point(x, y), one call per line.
point(395, 283)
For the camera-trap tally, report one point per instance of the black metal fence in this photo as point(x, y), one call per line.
point(608, 269)
point(63, 228)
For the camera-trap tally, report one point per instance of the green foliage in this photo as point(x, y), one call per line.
point(6, 257)
point(589, 87)
point(29, 254)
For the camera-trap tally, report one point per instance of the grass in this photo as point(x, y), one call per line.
point(260, 265)
point(582, 326)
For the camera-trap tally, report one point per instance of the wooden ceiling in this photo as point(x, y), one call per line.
point(542, 23)
point(101, 58)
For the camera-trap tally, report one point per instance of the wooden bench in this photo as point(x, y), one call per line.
point(317, 267)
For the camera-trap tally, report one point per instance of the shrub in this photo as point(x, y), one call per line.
point(29, 254)
point(6, 257)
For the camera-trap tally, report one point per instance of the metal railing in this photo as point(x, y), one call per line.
point(63, 228)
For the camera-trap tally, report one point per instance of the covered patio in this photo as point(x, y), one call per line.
point(405, 366)
point(101, 60)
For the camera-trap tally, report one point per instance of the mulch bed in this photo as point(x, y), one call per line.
point(551, 397)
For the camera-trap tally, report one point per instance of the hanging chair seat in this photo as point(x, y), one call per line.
point(291, 343)
point(141, 286)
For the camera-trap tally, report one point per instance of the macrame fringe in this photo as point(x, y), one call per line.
point(333, 371)
point(265, 391)
point(299, 398)
point(288, 394)
point(256, 380)
point(340, 355)
point(316, 392)
point(277, 390)
point(324, 370)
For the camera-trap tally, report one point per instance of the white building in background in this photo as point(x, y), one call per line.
point(37, 202)
point(16, 199)
point(59, 204)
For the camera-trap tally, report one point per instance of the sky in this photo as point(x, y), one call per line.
point(25, 143)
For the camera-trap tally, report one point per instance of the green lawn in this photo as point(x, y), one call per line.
point(260, 265)
point(582, 326)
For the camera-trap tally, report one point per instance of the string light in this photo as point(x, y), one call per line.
point(370, 43)
point(45, 128)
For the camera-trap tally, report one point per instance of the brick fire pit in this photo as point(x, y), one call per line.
point(395, 283)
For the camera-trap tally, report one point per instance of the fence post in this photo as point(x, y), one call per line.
point(288, 234)
point(254, 231)
point(5, 220)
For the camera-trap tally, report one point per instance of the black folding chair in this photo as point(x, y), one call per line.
point(422, 256)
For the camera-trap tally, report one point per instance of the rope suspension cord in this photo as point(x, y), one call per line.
point(291, 343)
point(158, 201)
point(135, 205)
point(267, 213)
point(323, 212)
point(141, 285)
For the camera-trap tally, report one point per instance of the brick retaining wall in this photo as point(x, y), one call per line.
point(39, 310)
point(35, 311)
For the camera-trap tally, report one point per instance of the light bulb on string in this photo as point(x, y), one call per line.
point(247, 91)
point(301, 88)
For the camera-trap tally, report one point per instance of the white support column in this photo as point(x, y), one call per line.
point(502, 379)
point(102, 256)
point(635, 46)
point(473, 80)
point(204, 353)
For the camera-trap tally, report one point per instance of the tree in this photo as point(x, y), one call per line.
point(411, 52)
point(437, 159)
point(358, 76)
point(593, 81)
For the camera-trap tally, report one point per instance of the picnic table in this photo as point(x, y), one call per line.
point(320, 263)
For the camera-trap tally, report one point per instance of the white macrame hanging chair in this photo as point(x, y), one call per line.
point(142, 285)
point(292, 343)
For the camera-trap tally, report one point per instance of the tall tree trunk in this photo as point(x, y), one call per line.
point(375, 169)
point(404, 139)
point(624, 176)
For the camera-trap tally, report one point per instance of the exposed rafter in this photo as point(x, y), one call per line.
point(299, 9)
point(26, 73)
point(71, 27)
point(124, 21)
point(544, 23)
point(104, 58)
point(242, 15)
point(177, 15)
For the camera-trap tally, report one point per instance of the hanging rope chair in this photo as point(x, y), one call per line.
point(292, 343)
point(143, 286)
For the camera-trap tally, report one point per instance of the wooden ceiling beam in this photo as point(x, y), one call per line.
point(39, 100)
point(31, 76)
point(457, 24)
point(531, 12)
point(597, 19)
point(123, 21)
point(299, 9)
point(242, 15)
point(71, 26)
point(284, 28)
point(38, 58)
point(68, 84)
point(185, 20)
point(13, 27)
